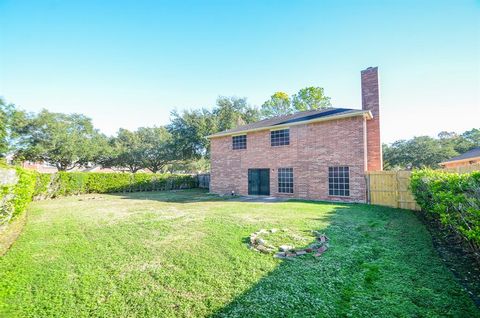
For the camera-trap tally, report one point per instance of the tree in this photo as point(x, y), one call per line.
point(190, 127)
point(310, 98)
point(468, 140)
point(231, 112)
point(278, 104)
point(65, 141)
point(126, 151)
point(189, 130)
point(418, 152)
point(157, 147)
point(10, 117)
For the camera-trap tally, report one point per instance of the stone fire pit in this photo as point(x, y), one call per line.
point(259, 241)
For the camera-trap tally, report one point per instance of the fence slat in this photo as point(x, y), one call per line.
point(391, 188)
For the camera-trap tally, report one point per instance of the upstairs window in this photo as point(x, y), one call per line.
point(285, 180)
point(280, 137)
point(239, 142)
point(339, 181)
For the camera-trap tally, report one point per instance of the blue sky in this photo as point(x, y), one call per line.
point(129, 63)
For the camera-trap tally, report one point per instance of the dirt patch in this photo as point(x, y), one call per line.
point(11, 232)
point(457, 256)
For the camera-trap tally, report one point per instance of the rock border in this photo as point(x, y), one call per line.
point(286, 251)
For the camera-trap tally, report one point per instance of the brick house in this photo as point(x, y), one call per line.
point(471, 157)
point(320, 154)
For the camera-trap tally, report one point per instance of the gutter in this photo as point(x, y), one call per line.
point(365, 113)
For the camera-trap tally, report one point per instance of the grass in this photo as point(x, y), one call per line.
point(184, 254)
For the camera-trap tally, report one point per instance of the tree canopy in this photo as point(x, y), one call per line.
point(278, 104)
point(308, 98)
point(425, 151)
point(65, 141)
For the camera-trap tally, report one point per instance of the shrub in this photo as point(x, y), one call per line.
point(72, 183)
point(14, 198)
point(452, 198)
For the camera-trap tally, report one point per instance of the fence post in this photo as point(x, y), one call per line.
point(367, 180)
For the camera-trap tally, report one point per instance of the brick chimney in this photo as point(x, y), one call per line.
point(371, 102)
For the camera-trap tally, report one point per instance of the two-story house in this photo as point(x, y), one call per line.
point(319, 154)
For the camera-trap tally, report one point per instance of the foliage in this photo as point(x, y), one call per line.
point(126, 151)
point(158, 148)
point(424, 151)
point(15, 198)
point(309, 98)
point(231, 112)
point(452, 198)
point(278, 104)
point(183, 254)
point(190, 127)
point(73, 183)
point(65, 141)
point(4, 123)
point(201, 165)
point(418, 152)
point(10, 117)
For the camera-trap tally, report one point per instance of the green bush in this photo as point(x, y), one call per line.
point(452, 198)
point(72, 183)
point(15, 198)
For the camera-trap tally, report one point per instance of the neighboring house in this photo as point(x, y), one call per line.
point(320, 154)
point(465, 159)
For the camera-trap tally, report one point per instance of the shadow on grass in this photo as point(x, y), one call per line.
point(380, 263)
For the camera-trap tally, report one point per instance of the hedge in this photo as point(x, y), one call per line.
point(14, 198)
point(72, 183)
point(31, 185)
point(451, 198)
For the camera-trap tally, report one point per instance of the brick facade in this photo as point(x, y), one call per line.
point(352, 141)
point(371, 102)
point(313, 148)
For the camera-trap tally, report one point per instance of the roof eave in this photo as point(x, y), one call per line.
point(460, 160)
point(365, 113)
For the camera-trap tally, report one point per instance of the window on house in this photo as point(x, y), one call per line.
point(339, 181)
point(239, 142)
point(285, 180)
point(280, 137)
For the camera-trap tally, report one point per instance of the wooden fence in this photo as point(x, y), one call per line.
point(204, 180)
point(391, 188)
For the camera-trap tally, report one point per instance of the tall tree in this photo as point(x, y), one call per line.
point(231, 112)
point(157, 147)
point(417, 152)
point(127, 151)
point(65, 141)
point(309, 98)
point(10, 117)
point(189, 130)
point(468, 140)
point(278, 104)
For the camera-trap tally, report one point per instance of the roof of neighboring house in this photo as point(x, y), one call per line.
point(473, 153)
point(294, 119)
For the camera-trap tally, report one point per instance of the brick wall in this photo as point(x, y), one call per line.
point(371, 102)
point(313, 148)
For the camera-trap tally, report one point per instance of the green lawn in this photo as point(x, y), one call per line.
point(184, 254)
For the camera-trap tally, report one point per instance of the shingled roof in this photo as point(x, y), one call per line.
point(473, 153)
point(286, 120)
